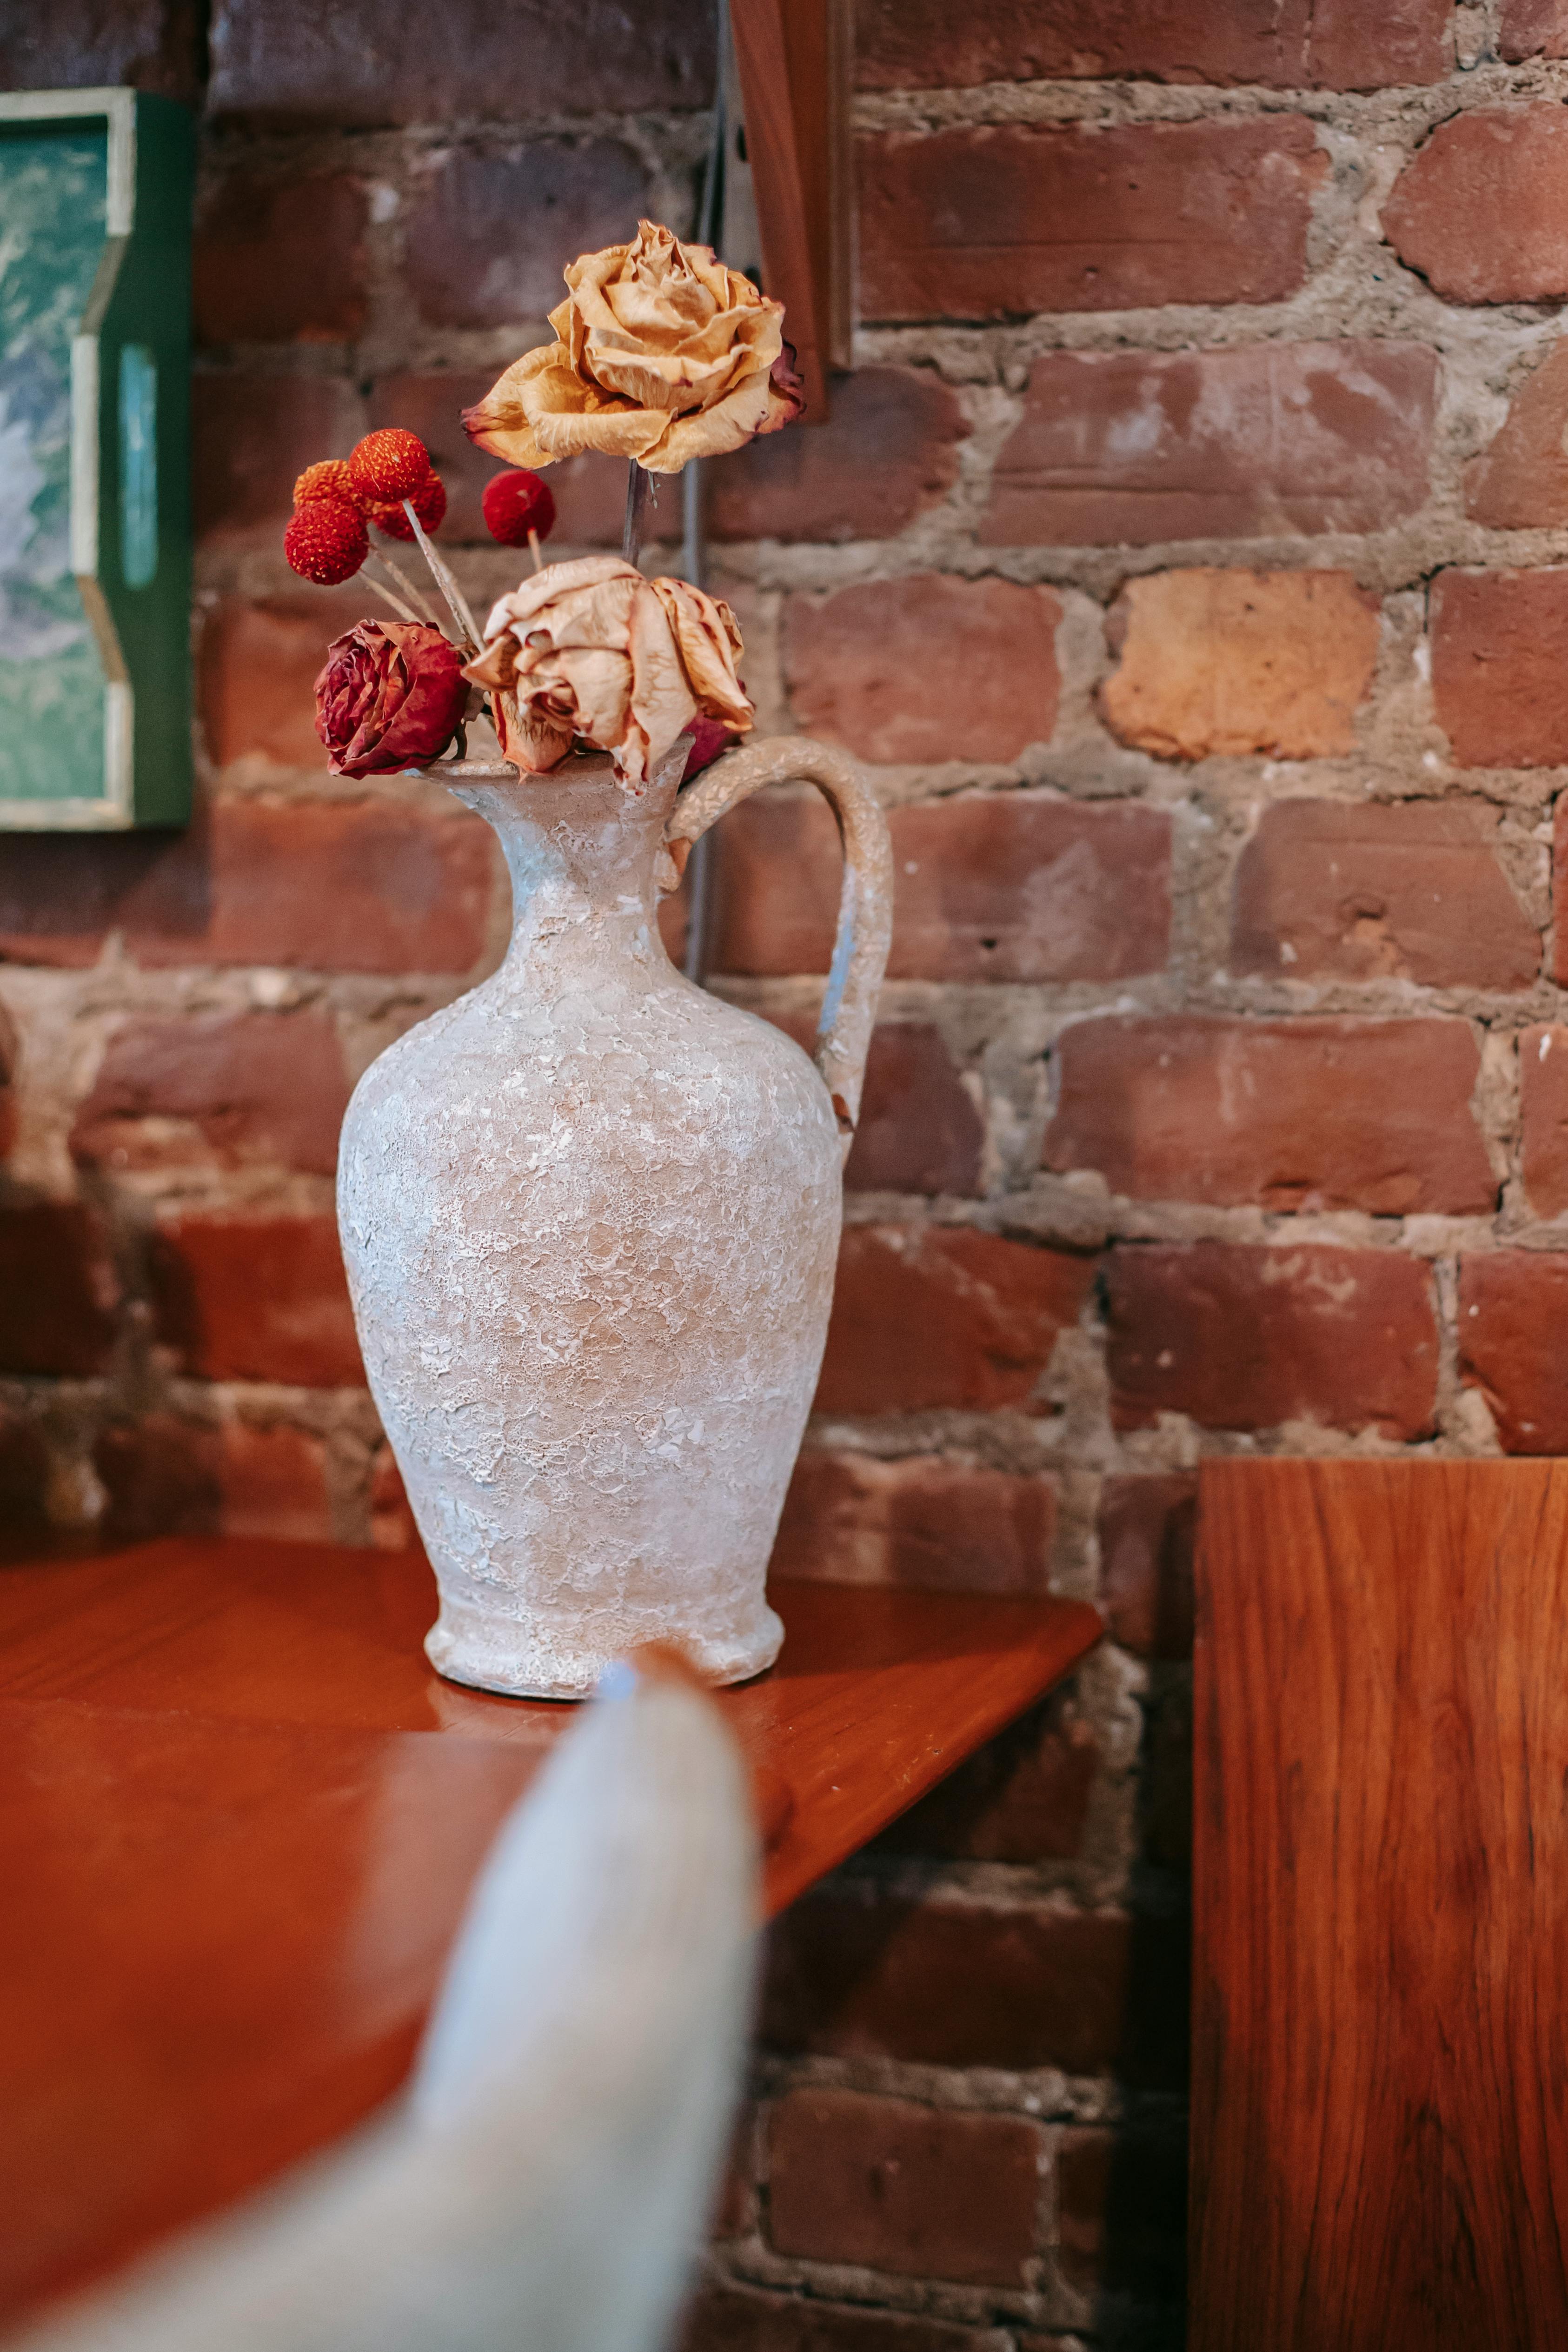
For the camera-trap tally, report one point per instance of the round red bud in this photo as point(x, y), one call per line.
point(326, 541)
point(515, 503)
point(428, 502)
point(389, 464)
point(327, 478)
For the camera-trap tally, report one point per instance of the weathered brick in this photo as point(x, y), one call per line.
point(1147, 1529)
point(950, 1527)
point(165, 1477)
point(219, 1090)
point(887, 451)
point(466, 263)
point(1560, 890)
point(57, 1289)
point(1534, 29)
point(1333, 45)
point(256, 1297)
point(1309, 1114)
point(1011, 886)
point(1226, 663)
point(359, 63)
point(1266, 441)
point(376, 884)
point(153, 44)
point(24, 1479)
point(926, 668)
point(856, 1972)
point(1122, 2207)
point(252, 437)
point(1481, 209)
point(1513, 1307)
point(1381, 889)
point(918, 1130)
point(590, 493)
point(745, 2320)
point(281, 261)
point(1024, 1798)
point(10, 1053)
point(920, 2190)
point(943, 1315)
point(735, 2208)
point(257, 668)
point(1543, 1117)
point(1097, 220)
point(1520, 481)
point(1499, 667)
point(1248, 1338)
point(392, 1526)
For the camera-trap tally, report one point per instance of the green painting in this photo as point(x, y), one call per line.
point(95, 506)
point(53, 197)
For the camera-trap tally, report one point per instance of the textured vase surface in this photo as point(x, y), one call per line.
point(591, 1217)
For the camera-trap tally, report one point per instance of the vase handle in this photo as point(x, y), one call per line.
point(865, 905)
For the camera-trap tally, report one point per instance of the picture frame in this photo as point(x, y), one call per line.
point(96, 192)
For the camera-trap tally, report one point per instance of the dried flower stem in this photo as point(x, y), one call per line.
point(390, 596)
point(457, 603)
point(407, 587)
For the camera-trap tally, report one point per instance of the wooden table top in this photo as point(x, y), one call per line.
point(241, 1815)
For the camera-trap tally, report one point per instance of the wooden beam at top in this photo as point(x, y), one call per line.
point(791, 56)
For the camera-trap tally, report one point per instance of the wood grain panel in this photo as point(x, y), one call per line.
point(1380, 2078)
point(793, 65)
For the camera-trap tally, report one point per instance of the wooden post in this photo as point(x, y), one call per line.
point(1380, 2091)
point(793, 67)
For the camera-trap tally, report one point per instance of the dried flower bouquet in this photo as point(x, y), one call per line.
point(662, 354)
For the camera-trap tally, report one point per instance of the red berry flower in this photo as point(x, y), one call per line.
point(515, 503)
point(390, 697)
point(428, 502)
point(326, 541)
point(709, 737)
point(327, 478)
point(390, 464)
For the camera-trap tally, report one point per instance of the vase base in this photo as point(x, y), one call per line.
point(521, 1669)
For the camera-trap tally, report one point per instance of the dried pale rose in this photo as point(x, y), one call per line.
point(662, 355)
point(591, 650)
point(390, 697)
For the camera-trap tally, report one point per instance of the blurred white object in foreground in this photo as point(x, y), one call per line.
point(545, 2179)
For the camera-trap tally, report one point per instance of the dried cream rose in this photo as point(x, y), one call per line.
point(591, 649)
point(664, 355)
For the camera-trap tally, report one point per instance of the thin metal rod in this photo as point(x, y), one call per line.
point(694, 536)
point(637, 509)
point(710, 206)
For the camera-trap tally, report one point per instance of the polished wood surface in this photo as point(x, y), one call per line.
point(241, 1815)
point(792, 61)
point(1380, 2104)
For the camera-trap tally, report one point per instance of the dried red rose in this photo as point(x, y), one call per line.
point(709, 737)
point(390, 697)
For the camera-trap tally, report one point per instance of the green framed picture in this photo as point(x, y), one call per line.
point(95, 524)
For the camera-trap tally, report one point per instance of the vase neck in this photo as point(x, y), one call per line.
point(580, 850)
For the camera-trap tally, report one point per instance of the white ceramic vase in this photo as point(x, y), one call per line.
point(591, 1217)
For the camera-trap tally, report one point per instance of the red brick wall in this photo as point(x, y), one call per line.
point(1186, 558)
